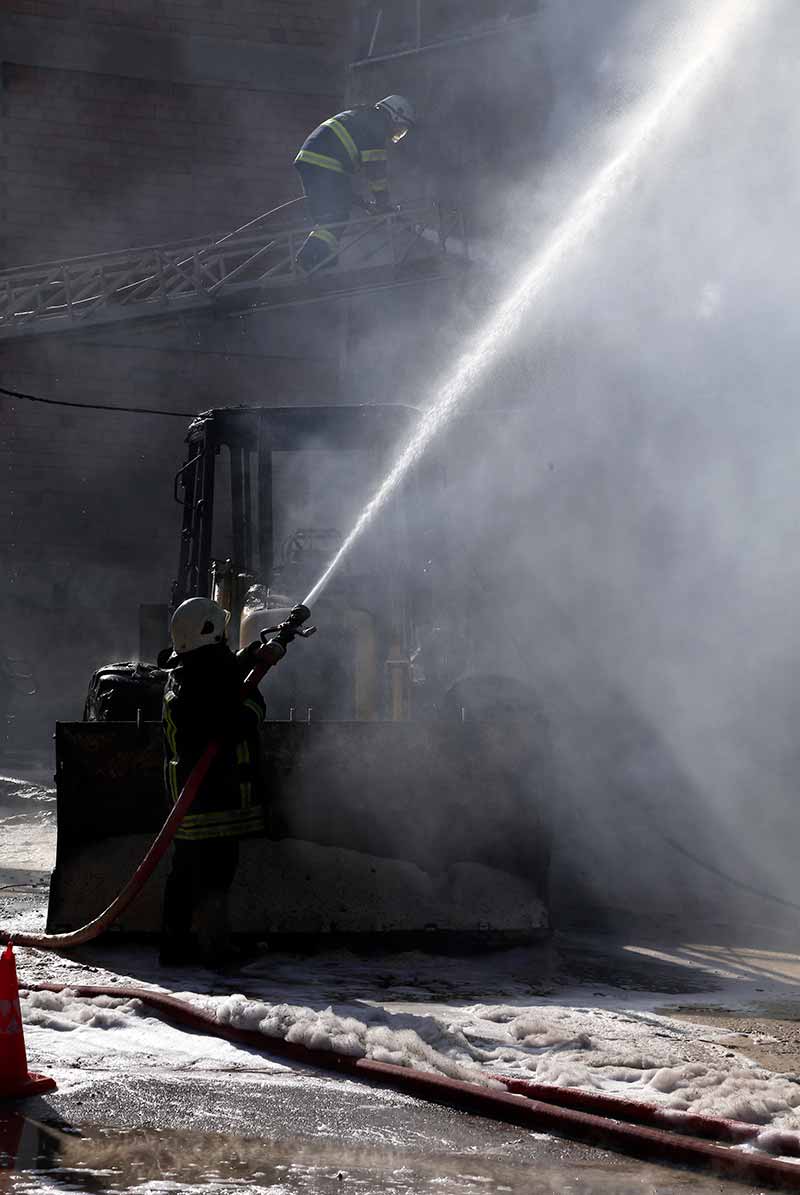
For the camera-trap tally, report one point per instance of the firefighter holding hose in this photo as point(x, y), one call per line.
point(203, 701)
point(352, 142)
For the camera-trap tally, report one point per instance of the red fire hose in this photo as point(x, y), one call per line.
point(608, 1131)
point(93, 929)
point(266, 656)
point(735, 1132)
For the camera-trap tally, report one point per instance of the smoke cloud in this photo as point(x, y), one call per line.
point(620, 516)
point(627, 497)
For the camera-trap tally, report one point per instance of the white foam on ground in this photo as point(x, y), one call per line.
point(421, 1043)
point(677, 1065)
point(76, 1036)
point(27, 828)
point(464, 1018)
point(615, 1051)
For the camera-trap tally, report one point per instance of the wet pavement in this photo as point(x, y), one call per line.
point(28, 834)
point(216, 1138)
point(218, 1130)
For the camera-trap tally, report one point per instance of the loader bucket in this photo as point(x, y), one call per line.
point(406, 832)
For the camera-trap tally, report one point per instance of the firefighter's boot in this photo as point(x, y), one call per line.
point(213, 927)
point(319, 251)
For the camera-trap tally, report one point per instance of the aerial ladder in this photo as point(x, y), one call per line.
point(253, 267)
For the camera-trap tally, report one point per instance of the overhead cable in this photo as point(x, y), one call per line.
point(94, 406)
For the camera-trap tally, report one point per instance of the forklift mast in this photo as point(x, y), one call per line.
point(252, 435)
point(235, 490)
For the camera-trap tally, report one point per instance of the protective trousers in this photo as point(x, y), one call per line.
point(329, 197)
point(196, 920)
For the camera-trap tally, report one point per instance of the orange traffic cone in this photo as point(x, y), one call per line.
point(15, 1082)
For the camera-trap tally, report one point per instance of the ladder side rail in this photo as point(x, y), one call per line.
point(134, 251)
point(289, 261)
point(240, 269)
point(197, 268)
point(68, 294)
point(100, 268)
point(209, 248)
point(370, 221)
point(13, 299)
point(209, 240)
point(416, 237)
point(34, 291)
point(55, 292)
point(101, 281)
point(217, 239)
point(159, 272)
point(81, 283)
point(199, 271)
point(56, 302)
point(176, 285)
point(147, 264)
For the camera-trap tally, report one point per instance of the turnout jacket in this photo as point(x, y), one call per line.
point(202, 701)
point(348, 142)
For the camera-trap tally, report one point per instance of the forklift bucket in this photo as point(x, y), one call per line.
point(410, 831)
point(390, 813)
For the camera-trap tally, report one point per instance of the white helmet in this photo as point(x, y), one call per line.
point(198, 622)
point(401, 111)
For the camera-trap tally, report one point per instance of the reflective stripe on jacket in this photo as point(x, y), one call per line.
point(348, 142)
point(202, 701)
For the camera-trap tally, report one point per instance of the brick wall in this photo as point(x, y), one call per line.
point(88, 525)
point(97, 159)
point(285, 22)
point(94, 163)
point(86, 531)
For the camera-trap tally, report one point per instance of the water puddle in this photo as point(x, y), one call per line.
point(22, 793)
point(47, 1158)
point(28, 831)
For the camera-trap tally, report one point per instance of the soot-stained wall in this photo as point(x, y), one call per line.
point(127, 124)
point(138, 123)
point(98, 162)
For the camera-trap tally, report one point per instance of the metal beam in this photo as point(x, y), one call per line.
point(514, 27)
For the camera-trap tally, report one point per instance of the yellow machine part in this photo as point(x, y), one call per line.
point(358, 627)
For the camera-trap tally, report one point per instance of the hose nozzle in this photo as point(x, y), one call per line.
point(299, 614)
point(291, 627)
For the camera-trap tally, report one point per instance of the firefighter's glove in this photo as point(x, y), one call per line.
point(275, 649)
point(250, 653)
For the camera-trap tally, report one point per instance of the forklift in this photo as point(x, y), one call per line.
point(393, 813)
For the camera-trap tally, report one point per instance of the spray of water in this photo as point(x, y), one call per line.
point(699, 54)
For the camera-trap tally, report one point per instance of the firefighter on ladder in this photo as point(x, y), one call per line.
point(353, 141)
point(203, 701)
